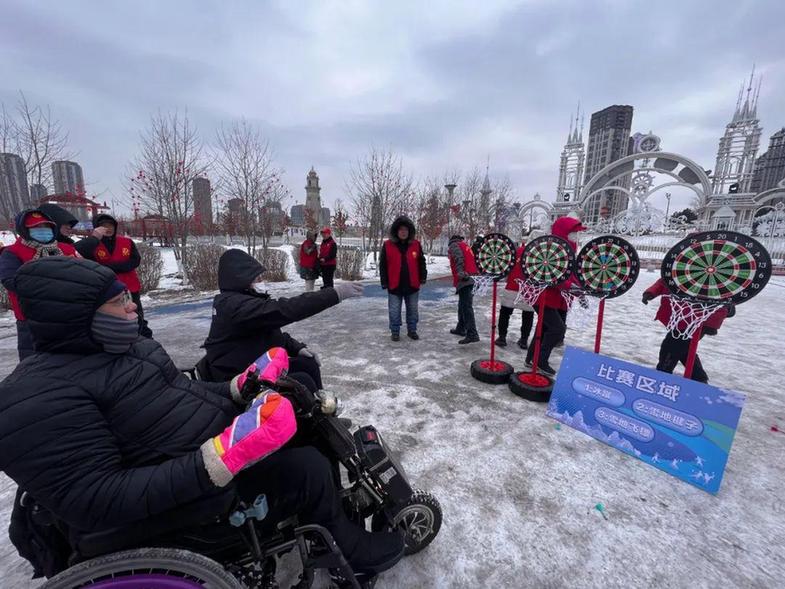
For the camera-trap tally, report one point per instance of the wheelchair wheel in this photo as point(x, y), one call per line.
point(420, 519)
point(151, 568)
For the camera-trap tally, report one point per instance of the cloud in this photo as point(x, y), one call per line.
point(447, 84)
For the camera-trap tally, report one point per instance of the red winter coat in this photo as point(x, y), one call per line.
point(308, 254)
point(24, 254)
point(562, 227)
point(517, 271)
point(467, 262)
point(415, 260)
point(659, 288)
point(328, 252)
point(121, 254)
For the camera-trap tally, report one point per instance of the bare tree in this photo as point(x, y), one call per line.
point(471, 211)
point(171, 155)
point(501, 208)
point(432, 212)
point(245, 165)
point(381, 188)
point(340, 220)
point(39, 141)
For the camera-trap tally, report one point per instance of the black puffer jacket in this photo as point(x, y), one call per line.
point(246, 324)
point(100, 439)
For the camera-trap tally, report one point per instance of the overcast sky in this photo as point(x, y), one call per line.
point(446, 84)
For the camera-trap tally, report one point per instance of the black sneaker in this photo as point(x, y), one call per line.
point(413, 335)
point(522, 344)
point(527, 363)
point(396, 337)
point(501, 341)
point(546, 368)
point(457, 332)
point(470, 339)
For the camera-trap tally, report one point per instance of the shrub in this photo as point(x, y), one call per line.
point(276, 262)
point(350, 264)
point(150, 268)
point(202, 265)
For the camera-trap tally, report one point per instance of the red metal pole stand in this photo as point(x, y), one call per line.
point(538, 333)
point(598, 335)
point(693, 352)
point(493, 328)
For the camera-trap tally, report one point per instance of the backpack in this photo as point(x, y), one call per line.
point(38, 536)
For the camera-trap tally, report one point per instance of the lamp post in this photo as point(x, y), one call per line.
point(668, 207)
point(450, 189)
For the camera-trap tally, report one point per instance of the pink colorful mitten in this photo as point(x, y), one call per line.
point(267, 368)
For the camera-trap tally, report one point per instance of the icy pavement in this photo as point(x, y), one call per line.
point(518, 494)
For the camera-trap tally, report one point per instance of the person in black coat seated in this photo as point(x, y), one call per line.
point(247, 321)
point(64, 221)
point(100, 429)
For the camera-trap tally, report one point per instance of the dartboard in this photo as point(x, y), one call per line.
point(548, 259)
point(607, 266)
point(494, 254)
point(717, 266)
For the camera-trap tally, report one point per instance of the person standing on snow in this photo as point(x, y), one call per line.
point(118, 253)
point(463, 267)
point(674, 349)
point(309, 262)
point(508, 304)
point(555, 315)
point(247, 321)
point(402, 272)
point(36, 239)
point(328, 257)
point(64, 221)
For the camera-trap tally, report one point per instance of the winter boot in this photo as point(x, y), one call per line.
point(370, 553)
point(546, 368)
point(469, 339)
point(458, 332)
point(396, 337)
point(501, 341)
point(522, 344)
point(413, 335)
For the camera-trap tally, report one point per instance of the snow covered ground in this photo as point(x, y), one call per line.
point(518, 494)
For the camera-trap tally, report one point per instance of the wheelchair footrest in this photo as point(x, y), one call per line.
point(257, 511)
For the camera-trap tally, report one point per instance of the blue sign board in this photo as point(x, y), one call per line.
point(681, 426)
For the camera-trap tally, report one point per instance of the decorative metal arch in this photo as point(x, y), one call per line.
point(533, 204)
point(770, 194)
point(606, 175)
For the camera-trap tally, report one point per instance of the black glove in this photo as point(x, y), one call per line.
point(301, 398)
point(647, 296)
point(731, 308)
point(710, 331)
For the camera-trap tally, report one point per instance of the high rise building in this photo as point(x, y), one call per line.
point(313, 201)
point(739, 145)
point(203, 200)
point(609, 140)
point(298, 215)
point(324, 217)
point(14, 194)
point(37, 192)
point(573, 158)
point(67, 177)
point(770, 167)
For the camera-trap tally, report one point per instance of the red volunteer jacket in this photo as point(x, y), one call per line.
point(659, 288)
point(328, 251)
point(393, 257)
point(308, 260)
point(121, 253)
point(468, 263)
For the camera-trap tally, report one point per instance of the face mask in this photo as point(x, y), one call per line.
point(42, 234)
point(573, 236)
point(114, 333)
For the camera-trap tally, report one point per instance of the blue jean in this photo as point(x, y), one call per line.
point(466, 322)
point(394, 303)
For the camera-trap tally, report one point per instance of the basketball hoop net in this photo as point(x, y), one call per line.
point(687, 316)
point(582, 314)
point(482, 284)
point(529, 291)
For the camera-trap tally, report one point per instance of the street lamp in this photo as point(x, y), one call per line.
point(450, 188)
point(667, 208)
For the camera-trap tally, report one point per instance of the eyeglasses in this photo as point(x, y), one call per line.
point(126, 300)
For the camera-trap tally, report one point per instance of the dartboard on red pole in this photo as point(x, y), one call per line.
point(607, 266)
point(494, 255)
point(546, 262)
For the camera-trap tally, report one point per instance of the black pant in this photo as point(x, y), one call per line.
point(144, 330)
point(299, 481)
point(24, 340)
point(466, 322)
point(527, 320)
point(308, 366)
point(674, 350)
point(554, 327)
point(327, 276)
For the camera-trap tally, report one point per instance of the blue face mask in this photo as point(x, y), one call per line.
point(42, 234)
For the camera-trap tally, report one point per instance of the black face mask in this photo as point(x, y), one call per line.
point(113, 333)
